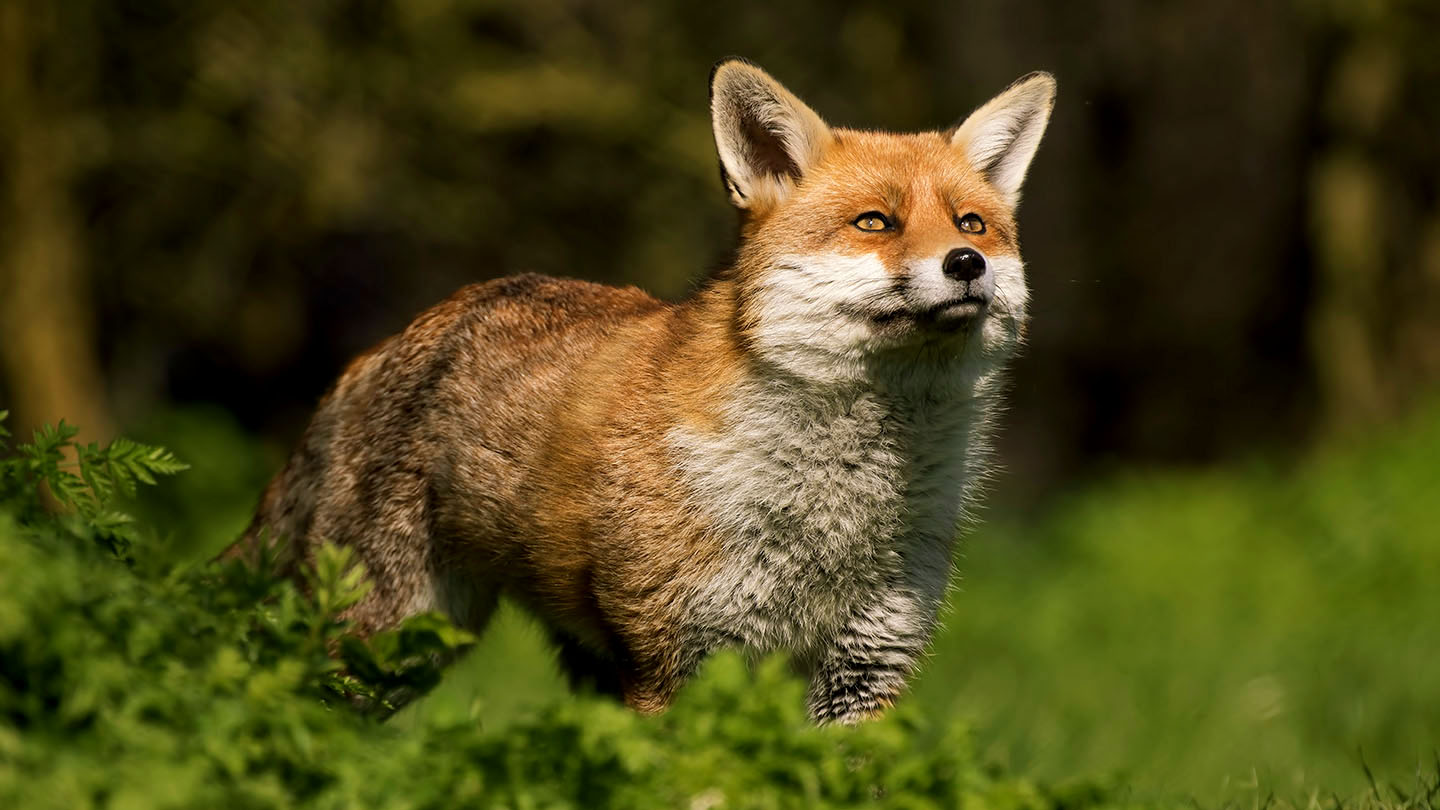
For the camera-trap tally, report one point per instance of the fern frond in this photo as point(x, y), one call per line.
point(71, 490)
point(129, 461)
point(45, 452)
point(112, 522)
point(95, 472)
point(49, 439)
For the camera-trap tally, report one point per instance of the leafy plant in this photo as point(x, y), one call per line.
point(90, 479)
point(151, 685)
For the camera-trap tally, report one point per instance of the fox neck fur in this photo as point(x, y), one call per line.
point(828, 479)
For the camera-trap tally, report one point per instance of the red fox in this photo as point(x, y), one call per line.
point(780, 461)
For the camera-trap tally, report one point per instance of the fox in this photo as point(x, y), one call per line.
point(782, 461)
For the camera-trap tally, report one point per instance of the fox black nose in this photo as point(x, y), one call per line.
point(964, 264)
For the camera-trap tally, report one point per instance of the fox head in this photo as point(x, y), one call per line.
point(863, 249)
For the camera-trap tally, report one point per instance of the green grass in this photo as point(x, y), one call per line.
point(1249, 637)
point(1196, 633)
point(1194, 630)
point(127, 682)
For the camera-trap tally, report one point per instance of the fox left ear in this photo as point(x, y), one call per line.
point(1001, 137)
point(767, 138)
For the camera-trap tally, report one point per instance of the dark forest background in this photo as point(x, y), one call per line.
point(1232, 229)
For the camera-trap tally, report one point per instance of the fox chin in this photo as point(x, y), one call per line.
point(781, 461)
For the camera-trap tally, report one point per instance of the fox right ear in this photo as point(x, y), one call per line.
point(1001, 137)
point(767, 138)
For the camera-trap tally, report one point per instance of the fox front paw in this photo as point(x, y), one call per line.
point(850, 701)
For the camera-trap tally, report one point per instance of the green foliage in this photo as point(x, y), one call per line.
point(1195, 629)
point(142, 686)
point(215, 685)
point(1215, 634)
point(391, 669)
point(741, 739)
point(134, 685)
point(84, 477)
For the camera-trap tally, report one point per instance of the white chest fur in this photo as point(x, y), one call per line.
point(824, 498)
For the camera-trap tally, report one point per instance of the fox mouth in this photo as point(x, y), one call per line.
point(955, 313)
point(964, 309)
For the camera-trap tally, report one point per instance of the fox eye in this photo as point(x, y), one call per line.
point(873, 221)
point(970, 223)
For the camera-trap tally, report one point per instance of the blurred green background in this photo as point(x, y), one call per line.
point(1213, 547)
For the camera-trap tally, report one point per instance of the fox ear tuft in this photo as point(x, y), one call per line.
point(1001, 137)
point(767, 138)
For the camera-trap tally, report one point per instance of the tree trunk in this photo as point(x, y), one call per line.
point(47, 332)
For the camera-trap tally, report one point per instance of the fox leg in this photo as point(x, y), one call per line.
point(657, 667)
point(860, 671)
point(586, 670)
point(648, 685)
